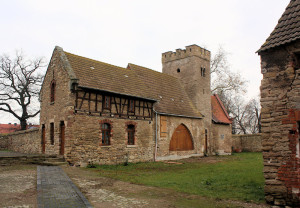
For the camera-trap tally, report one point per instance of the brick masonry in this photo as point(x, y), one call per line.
point(247, 143)
point(280, 101)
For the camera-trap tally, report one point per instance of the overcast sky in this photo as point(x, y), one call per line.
point(138, 31)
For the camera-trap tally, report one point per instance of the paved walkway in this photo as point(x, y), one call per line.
point(55, 189)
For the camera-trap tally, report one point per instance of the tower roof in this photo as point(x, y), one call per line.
point(287, 29)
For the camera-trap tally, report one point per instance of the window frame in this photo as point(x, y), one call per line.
point(130, 134)
point(105, 134)
point(52, 91)
point(52, 133)
point(108, 107)
point(131, 105)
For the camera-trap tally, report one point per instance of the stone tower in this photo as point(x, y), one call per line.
point(192, 67)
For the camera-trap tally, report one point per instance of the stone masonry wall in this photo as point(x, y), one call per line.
point(84, 142)
point(190, 62)
point(195, 126)
point(247, 142)
point(62, 109)
point(280, 114)
point(4, 142)
point(222, 141)
point(28, 141)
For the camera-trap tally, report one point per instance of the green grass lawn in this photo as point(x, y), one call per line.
point(237, 177)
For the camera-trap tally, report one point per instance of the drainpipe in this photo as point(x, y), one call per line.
point(155, 151)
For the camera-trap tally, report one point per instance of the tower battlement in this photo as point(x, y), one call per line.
point(192, 50)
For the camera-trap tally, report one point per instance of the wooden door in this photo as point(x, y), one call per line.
point(43, 139)
point(62, 138)
point(181, 139)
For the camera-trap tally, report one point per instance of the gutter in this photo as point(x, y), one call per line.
point(176, 115)
point(155, 150)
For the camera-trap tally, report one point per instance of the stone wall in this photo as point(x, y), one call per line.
point(222, 140)
point(246, 143)
point(197, 131)
point(84, 145)
point(4, 142)
point(280, 118)
point(28, 141)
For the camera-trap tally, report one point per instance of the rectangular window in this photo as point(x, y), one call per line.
point(52, 133)
point(106, 102)
point(131, 106)
point(105, 129)
point(130, 130)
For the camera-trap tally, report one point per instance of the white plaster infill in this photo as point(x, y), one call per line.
point(178, 157)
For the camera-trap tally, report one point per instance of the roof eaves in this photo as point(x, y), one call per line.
point(176, 115)
point(150, 99)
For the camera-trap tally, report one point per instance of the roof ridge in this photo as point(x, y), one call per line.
point(93, 60)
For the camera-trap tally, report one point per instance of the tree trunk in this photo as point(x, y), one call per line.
point(23, 124)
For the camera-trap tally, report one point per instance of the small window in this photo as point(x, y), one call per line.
point(52, 133)
point(105, 130)
point(202, 72)
point(106, 102)
point(131, 106)
point(131, 132)
point(178, 70)
point(52, 91)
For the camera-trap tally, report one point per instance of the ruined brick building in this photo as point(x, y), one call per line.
point(280, 113)
point(96, 112)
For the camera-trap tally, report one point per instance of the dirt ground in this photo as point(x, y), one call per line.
point(18, 190)
point(105, 192)
point(18, 186)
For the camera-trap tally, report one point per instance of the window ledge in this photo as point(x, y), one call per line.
point(131, 146)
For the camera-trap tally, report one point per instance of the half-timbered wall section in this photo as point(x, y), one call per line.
point(98, 103)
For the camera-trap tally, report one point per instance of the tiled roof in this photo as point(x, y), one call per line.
point(134, 81)
point(287, 29)
point(167, 90)
point(9, 128)
point(98, 75)
point(219, 113)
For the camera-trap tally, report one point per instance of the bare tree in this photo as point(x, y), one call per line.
point(223, 79)
point(231, 87)
point(20, 84)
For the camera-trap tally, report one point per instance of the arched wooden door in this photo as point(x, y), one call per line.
point(181, 139)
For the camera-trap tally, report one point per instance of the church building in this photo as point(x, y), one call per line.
point(94, 112)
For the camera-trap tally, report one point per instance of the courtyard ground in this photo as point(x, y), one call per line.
point(18, 188)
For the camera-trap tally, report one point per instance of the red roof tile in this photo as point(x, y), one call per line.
point(219, 113)
point(10, 128)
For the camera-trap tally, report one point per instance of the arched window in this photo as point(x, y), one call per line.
point(105, 130)
point(52, 91)
point(131, 132)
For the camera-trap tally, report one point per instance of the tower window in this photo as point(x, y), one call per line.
point(203, 72)
point(178, 70)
